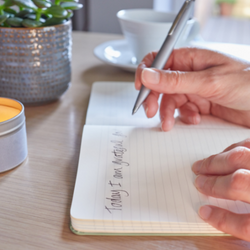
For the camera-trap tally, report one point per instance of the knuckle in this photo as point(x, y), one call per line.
point(240, 180)
point(147, 60)
point(174, 80)
point(230, 147)
point(246, 227)
point(214, 87)
point(237, 155)
point(222, 222)
point(207, 163)
point(246, 143)
point(211, 78)
point(214, 189)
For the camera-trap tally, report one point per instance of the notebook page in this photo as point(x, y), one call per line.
point(140, 179)
point(111, 103)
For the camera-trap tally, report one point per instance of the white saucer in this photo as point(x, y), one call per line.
point(116, 53)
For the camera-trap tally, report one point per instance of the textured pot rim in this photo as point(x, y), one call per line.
point(37, 28)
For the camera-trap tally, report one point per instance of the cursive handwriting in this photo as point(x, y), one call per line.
point(118, 152)
point(119, 133)
point(115, 200)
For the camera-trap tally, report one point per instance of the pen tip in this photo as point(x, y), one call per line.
point(134, 110)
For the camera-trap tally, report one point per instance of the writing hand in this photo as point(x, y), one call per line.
point(226, 175)
point(197, 81)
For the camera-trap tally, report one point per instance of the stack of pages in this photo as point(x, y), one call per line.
point(135, 179)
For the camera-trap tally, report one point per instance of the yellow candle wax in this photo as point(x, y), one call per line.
point(7, 113)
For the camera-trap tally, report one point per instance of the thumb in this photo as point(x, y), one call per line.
point(178, 82)
point(226, 221)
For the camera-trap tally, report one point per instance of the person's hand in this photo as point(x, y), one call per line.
point(226, 175)
point(196, 81)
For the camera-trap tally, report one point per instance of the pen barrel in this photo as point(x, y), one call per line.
point(167, 47)
point(164, 53)
point(173, 36)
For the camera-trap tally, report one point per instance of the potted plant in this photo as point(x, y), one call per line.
point(226, 7)
point(35, 49)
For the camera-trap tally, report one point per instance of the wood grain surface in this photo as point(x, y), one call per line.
point(35, 197)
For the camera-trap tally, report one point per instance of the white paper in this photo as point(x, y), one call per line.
point(134, 178)
point(111, 103)
point(152, 178)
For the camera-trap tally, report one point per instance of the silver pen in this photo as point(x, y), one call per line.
point(167, 47)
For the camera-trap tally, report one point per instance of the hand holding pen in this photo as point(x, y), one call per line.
point(203, 82)
point(167, 47)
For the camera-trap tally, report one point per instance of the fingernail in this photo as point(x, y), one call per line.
point(150, 76)
point(162, 126)
point(205, 212)
point(196, 119)
point(166, 125)
point(199, 181)
point(197, 166)
point(146, 109)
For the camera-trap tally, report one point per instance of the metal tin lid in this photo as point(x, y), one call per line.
point(15, 122)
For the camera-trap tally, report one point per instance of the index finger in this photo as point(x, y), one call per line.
point(184, 59)
point(224, 163)
point(234, 186)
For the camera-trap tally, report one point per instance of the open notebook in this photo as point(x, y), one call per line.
point(135, 179)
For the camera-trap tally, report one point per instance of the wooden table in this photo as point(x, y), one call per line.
point(35, 197)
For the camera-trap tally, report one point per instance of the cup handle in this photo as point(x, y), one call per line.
point(194, 31)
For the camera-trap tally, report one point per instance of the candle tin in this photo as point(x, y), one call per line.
point(13, 138)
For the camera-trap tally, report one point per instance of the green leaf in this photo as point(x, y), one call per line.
point(42, 3)
point(54, 21)
point(10, 11)
point(8, 14)
point(71, 6)
point(70, 14)
point(33, 17)
point(57, 11)
point(24, 12)
point(15, 21)
point(8, 3)
point(5, 24)
point(46, 16)
point(226, 1)
point(25, 4)
point(3, 18)
point(31, 23)
point(76, 1)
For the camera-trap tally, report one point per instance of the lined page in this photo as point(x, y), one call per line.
point(140, 180)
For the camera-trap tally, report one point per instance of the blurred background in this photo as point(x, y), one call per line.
point(221, 20)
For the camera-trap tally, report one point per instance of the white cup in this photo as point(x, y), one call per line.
point(146, 29)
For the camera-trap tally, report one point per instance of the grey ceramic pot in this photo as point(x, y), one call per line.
point(35, 63)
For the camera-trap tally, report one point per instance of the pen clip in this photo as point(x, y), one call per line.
point(185, 6)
